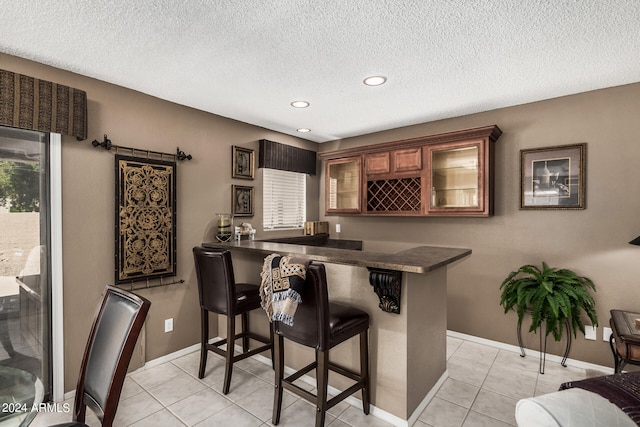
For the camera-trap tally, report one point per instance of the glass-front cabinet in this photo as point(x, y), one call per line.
point(343, 185)
point(450, 174)
point(457, 177)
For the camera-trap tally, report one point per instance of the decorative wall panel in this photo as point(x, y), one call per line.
point(145, 219)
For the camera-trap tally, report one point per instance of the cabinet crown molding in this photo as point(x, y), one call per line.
point(493, 132)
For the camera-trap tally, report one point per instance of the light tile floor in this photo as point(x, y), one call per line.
point(483, 387)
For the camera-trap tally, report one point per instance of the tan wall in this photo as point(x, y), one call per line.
point(204, 187)
point(593, 242)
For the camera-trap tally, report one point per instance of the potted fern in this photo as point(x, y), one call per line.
point(550, 295)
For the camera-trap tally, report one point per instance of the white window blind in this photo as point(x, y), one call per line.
point(284, 199)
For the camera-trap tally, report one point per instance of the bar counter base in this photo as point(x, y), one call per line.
point(407, 350)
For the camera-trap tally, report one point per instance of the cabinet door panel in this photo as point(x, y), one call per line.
point(343, 186)
point(376, 163)
point(457, 178)
point(407, 160)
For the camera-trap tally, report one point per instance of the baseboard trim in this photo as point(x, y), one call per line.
point(515, 349)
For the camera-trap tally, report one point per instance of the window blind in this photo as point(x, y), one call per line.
point(284, 199)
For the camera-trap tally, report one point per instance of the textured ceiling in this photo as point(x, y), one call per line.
point(249, 59)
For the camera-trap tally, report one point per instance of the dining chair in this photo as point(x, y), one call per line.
point(115, 330)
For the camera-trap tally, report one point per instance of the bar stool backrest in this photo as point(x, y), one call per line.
point(311, 320)
point(216, 282)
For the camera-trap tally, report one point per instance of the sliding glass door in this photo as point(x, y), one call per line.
point(25, 267)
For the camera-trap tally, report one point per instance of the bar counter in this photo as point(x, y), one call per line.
point(407, 346)
point(420, 259)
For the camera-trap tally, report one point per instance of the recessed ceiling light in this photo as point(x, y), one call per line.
point(300, 104)
point(304, 130)
point(375, 80)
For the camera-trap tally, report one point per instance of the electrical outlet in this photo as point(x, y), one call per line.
point(168, 325)
point(606, 333)
point(590, 332)
point(337, 228)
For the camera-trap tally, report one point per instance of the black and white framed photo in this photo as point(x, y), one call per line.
point(243, 162)
point(242, 200)
point(553, 177)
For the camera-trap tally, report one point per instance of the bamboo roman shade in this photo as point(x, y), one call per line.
point(273, 155)
point(34, 104)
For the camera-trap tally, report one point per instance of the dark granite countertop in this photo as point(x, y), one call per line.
point(420, 259)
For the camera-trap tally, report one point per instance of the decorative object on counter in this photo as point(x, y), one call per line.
point(242, 200)
point(246, 229)
point(387, 285)
point(283, 278)
point(556, 297)
point(243, 162)
point(108, 145)
point(224, 227)
point(553, 177)
point(311, 228)
point(145, 219)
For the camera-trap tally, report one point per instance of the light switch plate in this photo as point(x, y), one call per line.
point(168, 325)
point(590, 332)
point(606, 333)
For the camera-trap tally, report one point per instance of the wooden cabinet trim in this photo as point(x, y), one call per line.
point(492, 132)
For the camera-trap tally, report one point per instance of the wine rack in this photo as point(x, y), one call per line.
point(394, 195)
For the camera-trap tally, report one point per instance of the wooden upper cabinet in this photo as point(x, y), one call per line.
point(449, 174)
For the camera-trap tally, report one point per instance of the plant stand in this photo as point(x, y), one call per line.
point(543, 345)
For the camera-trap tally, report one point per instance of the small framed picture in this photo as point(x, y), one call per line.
point(242, 200)
point(243, 162)
point(553, 177)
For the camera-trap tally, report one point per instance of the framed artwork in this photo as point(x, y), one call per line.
point(242, 200)
point(145, 219)
point(553, 177)
point(243, 162)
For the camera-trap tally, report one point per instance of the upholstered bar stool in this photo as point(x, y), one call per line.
point(625, 338)
point(219, 293)
point(321, 325)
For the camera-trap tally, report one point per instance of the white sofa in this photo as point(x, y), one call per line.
point(607, 401)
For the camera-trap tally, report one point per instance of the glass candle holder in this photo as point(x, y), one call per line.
point(224, 233)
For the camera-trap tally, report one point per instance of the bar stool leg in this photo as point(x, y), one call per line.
point(278, 356)
point(273, 356)
point(322, 375)
point(228, 370)
point(245, 332)
point(204, 339)
point(364, 370)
